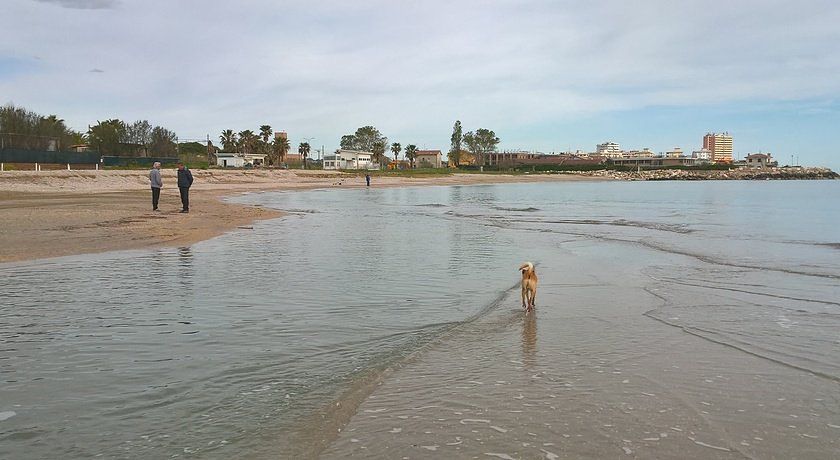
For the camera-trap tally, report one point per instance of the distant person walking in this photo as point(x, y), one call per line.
point(185, 180)
point(367, 179)
point(157, 183)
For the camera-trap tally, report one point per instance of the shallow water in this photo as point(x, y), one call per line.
point(227, 348)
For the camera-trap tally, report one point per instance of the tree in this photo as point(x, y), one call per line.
point(164, 142)
point(303, 150)
point(228, 140)
point(487, 142)
point(265, 133)
point(480, 143)
point(247, 141)
point(139, 132)
point(457, 140)
point(25, 129)
point(106, 136)
point(281, 148)
point(396, 148)
point(348, 142)
point(365, 139)
point(411, 153)
point(472, 145)
point(378, 150)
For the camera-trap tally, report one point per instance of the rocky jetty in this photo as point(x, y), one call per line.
point(797, 173)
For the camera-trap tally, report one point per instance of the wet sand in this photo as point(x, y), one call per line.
point(589, 375)
point(59, 213)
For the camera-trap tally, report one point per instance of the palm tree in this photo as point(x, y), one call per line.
point(396, 148)
point(378, 150)
point(247, 139)
point(303, 150)
point(411, 153)
point(265, 133)
point(281, 148)
point(228, 140)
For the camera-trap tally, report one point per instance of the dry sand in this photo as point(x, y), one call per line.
point(58, 213)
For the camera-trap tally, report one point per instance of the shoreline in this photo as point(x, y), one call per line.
point(51, 214)
point(60, 213)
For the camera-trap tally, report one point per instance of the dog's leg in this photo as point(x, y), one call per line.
point(524, 298)
point(533, 298)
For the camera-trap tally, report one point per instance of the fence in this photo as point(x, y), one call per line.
point(47, 157)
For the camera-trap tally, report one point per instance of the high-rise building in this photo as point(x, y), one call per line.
point(608, 149)
point(720, 144)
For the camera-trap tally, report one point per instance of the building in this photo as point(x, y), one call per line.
point(644, 153)
point(760, 160)
point(509, 158)
point(608, 149)
point(429, 159)
point(256, 159)
point(465, 159)
point(675, 153)
point(229, 160)
point(653, 161)
point(720, 144)
point(350, 159)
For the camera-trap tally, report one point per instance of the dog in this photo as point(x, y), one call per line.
point(529, 286)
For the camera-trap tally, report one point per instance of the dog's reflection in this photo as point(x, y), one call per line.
point(529, 339)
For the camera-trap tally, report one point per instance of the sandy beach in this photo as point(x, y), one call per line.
point(60, 213)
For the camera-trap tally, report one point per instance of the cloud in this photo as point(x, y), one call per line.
point(83, 4)
point(324, 68)
point(95, 70)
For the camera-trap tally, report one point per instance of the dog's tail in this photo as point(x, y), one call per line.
point(527, 266)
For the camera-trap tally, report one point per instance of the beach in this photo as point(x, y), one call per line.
point(59, 213)
point(673, 320)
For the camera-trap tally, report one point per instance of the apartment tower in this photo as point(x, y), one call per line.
point(720, 144)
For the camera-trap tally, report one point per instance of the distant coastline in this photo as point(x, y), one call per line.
point(795, 173)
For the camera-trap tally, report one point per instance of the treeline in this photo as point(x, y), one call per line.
point(369, 139)
point(116, 137)
point(250, 142)
point(24, 129)
point(478, 143)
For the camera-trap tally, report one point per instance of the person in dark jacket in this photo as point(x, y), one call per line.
point(185, 180)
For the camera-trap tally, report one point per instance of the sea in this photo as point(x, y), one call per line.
point(248, 344)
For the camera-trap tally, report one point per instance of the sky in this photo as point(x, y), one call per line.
point(548, 76)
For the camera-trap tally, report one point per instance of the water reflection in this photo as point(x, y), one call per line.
point(185, 267)
point(529, 339)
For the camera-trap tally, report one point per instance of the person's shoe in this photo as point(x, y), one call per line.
point(156, 209)
point(185, 210)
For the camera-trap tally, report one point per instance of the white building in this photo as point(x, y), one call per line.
point(702, 156)
point(608, 149)
point(229, 160)
point(350, 159)
point(760, 160)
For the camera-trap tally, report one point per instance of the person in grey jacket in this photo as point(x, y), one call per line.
point(157, 183)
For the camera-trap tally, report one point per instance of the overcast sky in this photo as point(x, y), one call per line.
point(544, 75)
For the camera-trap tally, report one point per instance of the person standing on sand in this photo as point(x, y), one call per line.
point(185, 180)
point(157, 183)
point(367, 179)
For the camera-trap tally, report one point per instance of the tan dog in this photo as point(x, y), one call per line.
point(529, 285)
